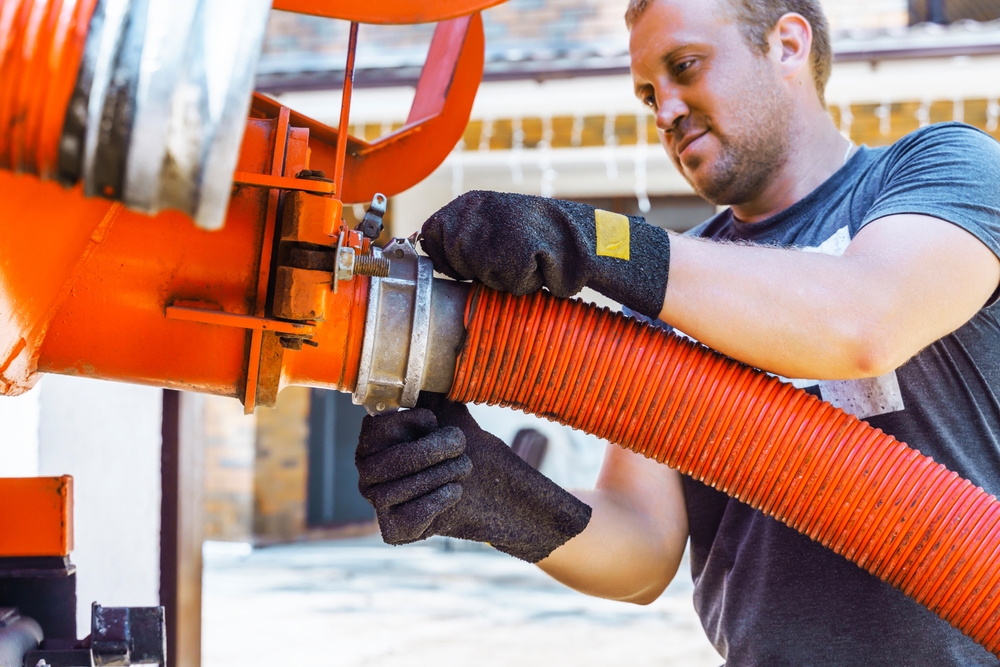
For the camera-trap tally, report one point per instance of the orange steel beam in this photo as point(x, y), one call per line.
point(38, 516)
point(278, 167)
point(387, 11)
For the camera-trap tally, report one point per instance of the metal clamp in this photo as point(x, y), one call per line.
point(413, 329)
point(395, 343)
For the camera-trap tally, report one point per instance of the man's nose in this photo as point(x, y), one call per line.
point(671, 109)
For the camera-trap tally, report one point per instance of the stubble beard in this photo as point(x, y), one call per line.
point(751, 153)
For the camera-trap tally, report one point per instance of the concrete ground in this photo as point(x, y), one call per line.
point(358, 602)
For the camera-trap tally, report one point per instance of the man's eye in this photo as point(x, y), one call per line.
point(650, 101)
point(683, 66)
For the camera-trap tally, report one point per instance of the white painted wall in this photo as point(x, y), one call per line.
point(865, 14)
point(585, 96)
point(19, 433)
point(572, 459)
point(957, 77)
point(107, 436)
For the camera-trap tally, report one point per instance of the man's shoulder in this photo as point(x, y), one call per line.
point(948, 129)
point(949, 171)
point(937, 164)
point(954, 138)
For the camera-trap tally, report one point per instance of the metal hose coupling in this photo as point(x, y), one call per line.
point(414, 328)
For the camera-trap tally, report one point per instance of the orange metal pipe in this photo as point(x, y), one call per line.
point(85, 285)
point(854, 489)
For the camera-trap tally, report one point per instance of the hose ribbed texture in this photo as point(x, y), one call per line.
point(852, 488)
point(41, 47)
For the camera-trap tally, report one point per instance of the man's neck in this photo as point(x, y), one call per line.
point(817, 152)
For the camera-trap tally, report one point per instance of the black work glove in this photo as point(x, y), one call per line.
point(433, 471)
point(520, 243)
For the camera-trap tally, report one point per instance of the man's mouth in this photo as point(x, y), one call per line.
point(688, 140)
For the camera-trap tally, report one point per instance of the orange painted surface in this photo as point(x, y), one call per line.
point(98, 299)
point(210, 313)
point(112, 324)
point(284, 182)
point(85, 284)
point(386, 11)
point(46, 234)
point(38, 516)
point(311, 219)
point(334, 364)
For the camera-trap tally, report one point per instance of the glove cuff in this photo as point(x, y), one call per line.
point(640, 281)
point(554, 518)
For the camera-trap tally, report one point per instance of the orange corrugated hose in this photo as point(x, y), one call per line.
point(851, 487)
point(41, 47)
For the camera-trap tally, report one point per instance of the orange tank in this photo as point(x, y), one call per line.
point(90, 288)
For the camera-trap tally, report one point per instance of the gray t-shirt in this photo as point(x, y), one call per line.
point(769, 596)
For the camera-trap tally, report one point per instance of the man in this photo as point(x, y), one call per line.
point(891, 316)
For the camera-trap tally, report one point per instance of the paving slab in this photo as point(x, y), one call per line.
point(441, 603)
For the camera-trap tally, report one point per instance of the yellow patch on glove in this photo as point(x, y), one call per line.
point(612, 234)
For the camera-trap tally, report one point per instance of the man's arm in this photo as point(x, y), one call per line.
point(904, 282)
point(632, 547)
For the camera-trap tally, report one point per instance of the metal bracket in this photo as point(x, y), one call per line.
point(128, 635)
point(371, 225)
point(282, 183)
point(205, 314)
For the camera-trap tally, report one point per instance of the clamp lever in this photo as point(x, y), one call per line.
point(371, 226)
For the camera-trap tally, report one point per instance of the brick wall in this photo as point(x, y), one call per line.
point(280, 470)
point(229, 470)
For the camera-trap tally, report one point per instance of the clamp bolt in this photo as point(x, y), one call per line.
point(370, 265)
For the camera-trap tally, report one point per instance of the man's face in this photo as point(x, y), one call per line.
point(721, 108)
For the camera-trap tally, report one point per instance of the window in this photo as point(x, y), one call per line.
point(949, 11)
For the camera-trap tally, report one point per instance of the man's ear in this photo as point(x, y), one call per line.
point(790, 44)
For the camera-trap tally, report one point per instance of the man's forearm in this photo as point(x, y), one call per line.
point(614, 556)
point(904, 282)
point(780, 310)
point(633, 545)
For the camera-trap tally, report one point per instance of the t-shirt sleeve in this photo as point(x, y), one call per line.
point(949, 171)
